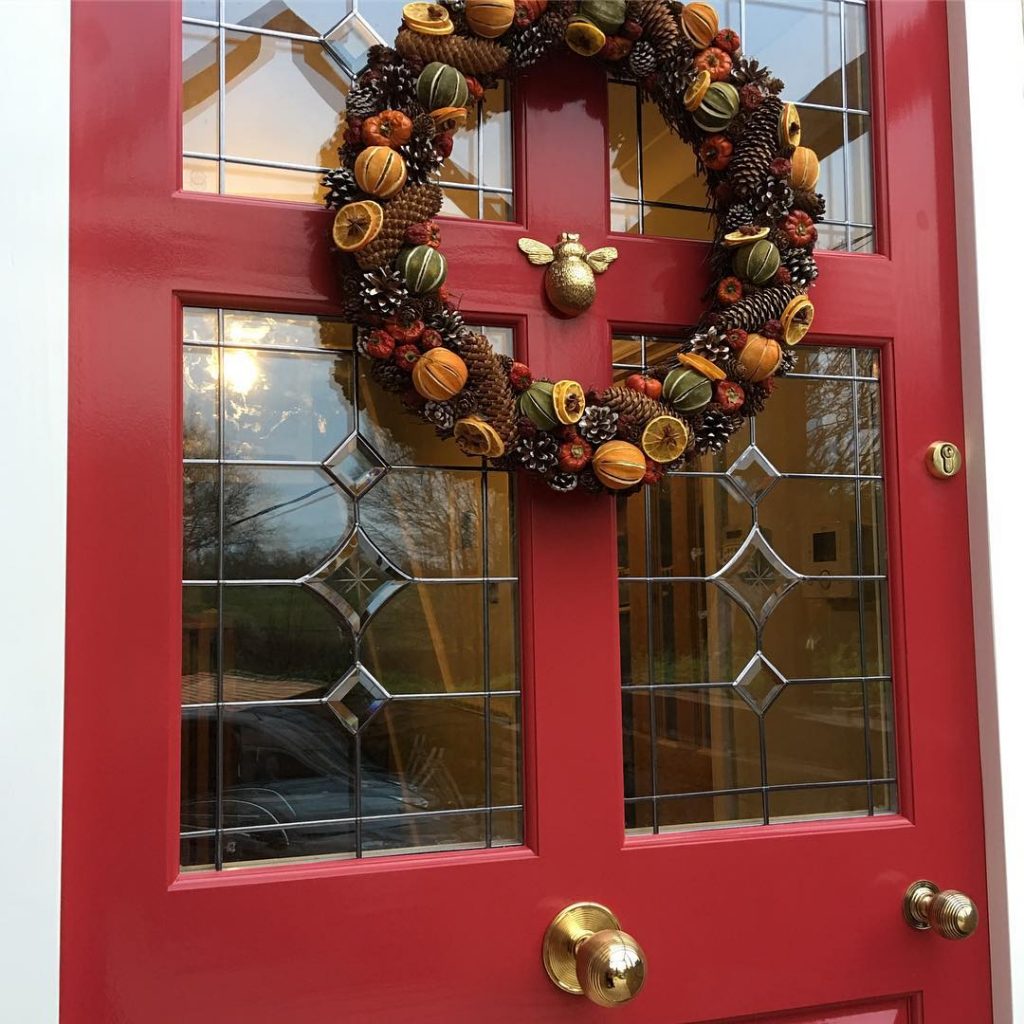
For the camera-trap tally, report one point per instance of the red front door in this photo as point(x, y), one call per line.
point(797, 922)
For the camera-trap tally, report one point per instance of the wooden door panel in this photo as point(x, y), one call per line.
point(737, 923)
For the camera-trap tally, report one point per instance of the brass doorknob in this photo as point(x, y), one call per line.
point(587, 953)
point(950, 913)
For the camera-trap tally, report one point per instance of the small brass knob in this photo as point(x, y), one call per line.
point(587, 954)
point(950, 913)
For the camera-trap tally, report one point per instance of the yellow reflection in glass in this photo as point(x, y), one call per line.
point(241, 371)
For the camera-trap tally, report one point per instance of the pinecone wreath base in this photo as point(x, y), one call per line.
point(409, 101)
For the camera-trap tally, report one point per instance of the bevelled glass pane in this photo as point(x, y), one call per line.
point(753, 615)
point(283, 101)
point(708, 739)
point(200, 77)
point(281, 522)
point(320, 665)
point(800, 40)
point(822, 131)
point(429, 523)
point(284, 406)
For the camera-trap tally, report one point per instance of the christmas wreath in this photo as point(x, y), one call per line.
point(401, 114)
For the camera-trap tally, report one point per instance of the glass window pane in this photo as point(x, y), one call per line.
point(754, 627)
point(858, 81)
point(200, 77)
point(320, 669)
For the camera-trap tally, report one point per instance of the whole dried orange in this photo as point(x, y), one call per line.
point(356, 225)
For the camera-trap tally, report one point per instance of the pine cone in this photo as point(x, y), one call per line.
point(748, 71)
point(341, 187)
point(398, 84)
point(588, 481)
point(415, 203)
point(470, 54)
point(491, 386)
point(365, 100)
point(756, 397)
point(661, 27)
point(812, 203)
point(563, 482)
point(756, 149)
point(382, 291)
point(447, 321)
point(538, 454)
point(788, 361)
point(547, 33)
point(739, 215)
point(598, 423)
point(626, 401)
point(389, 376)
point(775, 198)
point(801, 266)
point(754, 310)
point(712, 431)
point(441, 414)
point(643, 59)
point(711, 345)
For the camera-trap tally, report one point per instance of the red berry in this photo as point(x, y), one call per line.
point(430, 339)
point(799, 228)
point(780, 167)
point(729, 395)
point(574, 454)
point(654, 471)
point(751, 97)
point(773, 329)
point(727, 40)
point(425, 233)
point(380, 345)
point(406, 356)
point(475, 89)
point(637, 382)
point(652, 387)
point(520, 376)
point(736, 338)
point(443, 144)
point(403, 334)
point(716, 152)
point(730, 290)
point(632, 29)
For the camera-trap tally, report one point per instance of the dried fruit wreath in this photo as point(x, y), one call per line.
point(401, 115)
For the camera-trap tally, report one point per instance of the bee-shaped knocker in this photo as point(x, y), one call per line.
point(569, 280)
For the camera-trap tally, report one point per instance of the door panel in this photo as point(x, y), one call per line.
point(736, 922)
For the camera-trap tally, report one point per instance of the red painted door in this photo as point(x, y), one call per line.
point(795, 923)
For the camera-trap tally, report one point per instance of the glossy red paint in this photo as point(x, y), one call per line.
point(735, 923)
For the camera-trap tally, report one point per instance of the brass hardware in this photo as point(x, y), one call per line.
point(950, 913)
point(569, 280)
point(943, 459)
point(587, 954)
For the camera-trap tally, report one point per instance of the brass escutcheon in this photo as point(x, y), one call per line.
point(943, 459)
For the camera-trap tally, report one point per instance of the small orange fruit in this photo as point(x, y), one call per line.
point(569, 401)
point(665, 438)
point(356, 225)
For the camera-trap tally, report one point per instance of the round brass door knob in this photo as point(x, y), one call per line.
point(950, 913)
point(587, 954)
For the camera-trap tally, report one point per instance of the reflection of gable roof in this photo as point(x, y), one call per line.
point(201, 688)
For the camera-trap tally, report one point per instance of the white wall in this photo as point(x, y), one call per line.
point(34, 86)
point(987, 77)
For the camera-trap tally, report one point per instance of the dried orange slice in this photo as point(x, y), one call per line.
point(665, 438)
point(701, 365)
point(447, 118)
point(696, 89)
point(356, 225)
point(569, 401)
point(735, 239)
point(789, 125)
point(428, 19)
point(475, 436)
point(796, 319)
point(582, 36)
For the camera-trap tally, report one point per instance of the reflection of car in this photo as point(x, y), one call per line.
point(294, 766)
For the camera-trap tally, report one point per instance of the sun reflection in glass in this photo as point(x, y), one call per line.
point(241, 371)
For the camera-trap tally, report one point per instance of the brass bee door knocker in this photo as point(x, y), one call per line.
point(569, 280)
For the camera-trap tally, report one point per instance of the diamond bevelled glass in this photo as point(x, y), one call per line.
point(752, 476)
point(350, 41)
point(357, 698)
point(756, 577)
point(759, 683)
point(356, 466)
